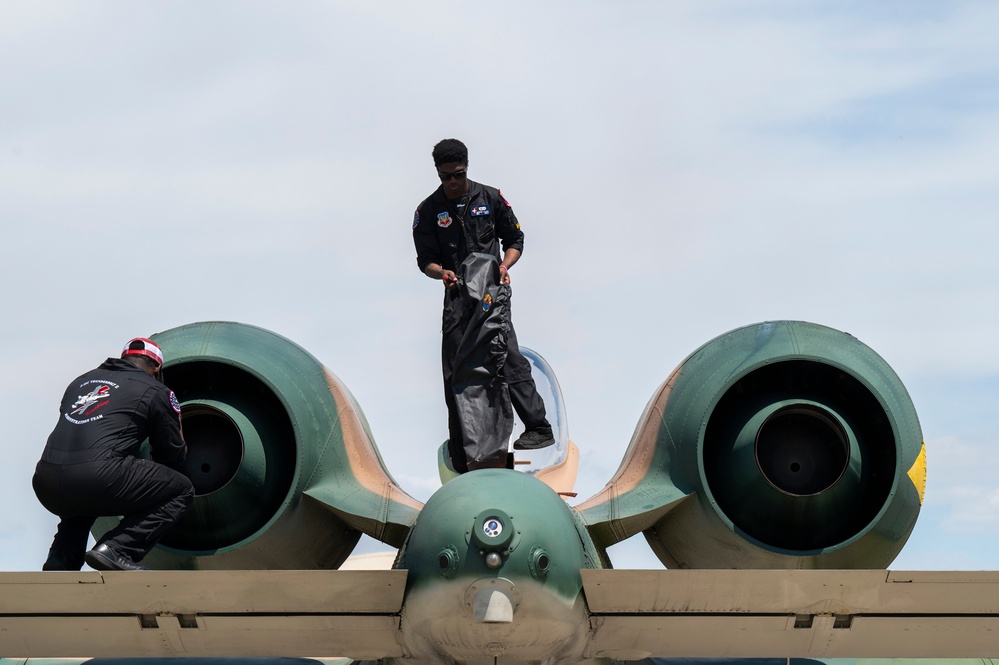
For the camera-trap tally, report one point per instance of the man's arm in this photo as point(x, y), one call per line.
point(510, 256)
point(428, 250)
point(165, 436)
point(512, 238)
point(428, 253)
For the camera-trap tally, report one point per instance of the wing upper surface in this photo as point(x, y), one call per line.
point(202, 613)
point(792, 613)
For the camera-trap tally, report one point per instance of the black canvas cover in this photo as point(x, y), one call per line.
point(480, 389)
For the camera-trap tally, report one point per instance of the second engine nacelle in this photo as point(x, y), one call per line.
point(777, 445)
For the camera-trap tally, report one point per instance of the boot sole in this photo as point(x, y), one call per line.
point(544, 444)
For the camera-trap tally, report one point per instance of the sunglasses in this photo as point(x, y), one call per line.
point(457, 175)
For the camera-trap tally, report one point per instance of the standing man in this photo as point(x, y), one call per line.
point(459, 218)
point(89, 467)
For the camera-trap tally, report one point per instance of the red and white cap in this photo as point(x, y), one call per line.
point(141, 346)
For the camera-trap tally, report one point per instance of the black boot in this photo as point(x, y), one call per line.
point(103, 557)
point(534, 439)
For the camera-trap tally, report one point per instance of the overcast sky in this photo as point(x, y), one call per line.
point(679, 168)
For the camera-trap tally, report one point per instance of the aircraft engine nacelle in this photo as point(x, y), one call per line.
point(777, 445)
point(284, 467)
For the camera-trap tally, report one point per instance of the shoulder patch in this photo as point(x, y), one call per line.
point(174, 402)
point(416, 218)
point(503, 199)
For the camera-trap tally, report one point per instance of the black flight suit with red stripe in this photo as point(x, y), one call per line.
point(446, 231)
point(89, 467)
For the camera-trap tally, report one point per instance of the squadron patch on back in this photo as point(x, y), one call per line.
point(86, 406)
point(95, 399)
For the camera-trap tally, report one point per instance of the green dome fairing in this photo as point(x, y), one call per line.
point(533, 517)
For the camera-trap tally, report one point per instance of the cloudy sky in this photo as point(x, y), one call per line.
point(679, 168)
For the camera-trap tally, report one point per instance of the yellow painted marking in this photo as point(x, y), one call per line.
point(917, 474)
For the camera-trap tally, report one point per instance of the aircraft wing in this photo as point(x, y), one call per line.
point(792, 613)
point(202, 613)
point(633, 614)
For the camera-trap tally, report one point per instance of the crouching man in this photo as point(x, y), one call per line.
point(89, 467)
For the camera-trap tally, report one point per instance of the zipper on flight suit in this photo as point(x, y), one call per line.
point(469, 246)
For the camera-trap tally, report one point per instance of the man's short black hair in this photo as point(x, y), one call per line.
point(142, 362)
point(450, 150)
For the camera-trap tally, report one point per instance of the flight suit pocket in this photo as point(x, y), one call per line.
point(486, 231)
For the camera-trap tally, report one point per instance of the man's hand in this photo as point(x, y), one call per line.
point(436, 271)
point(504, 274)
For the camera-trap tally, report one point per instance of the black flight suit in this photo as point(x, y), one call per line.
point(446, 231)
point(89, 466)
